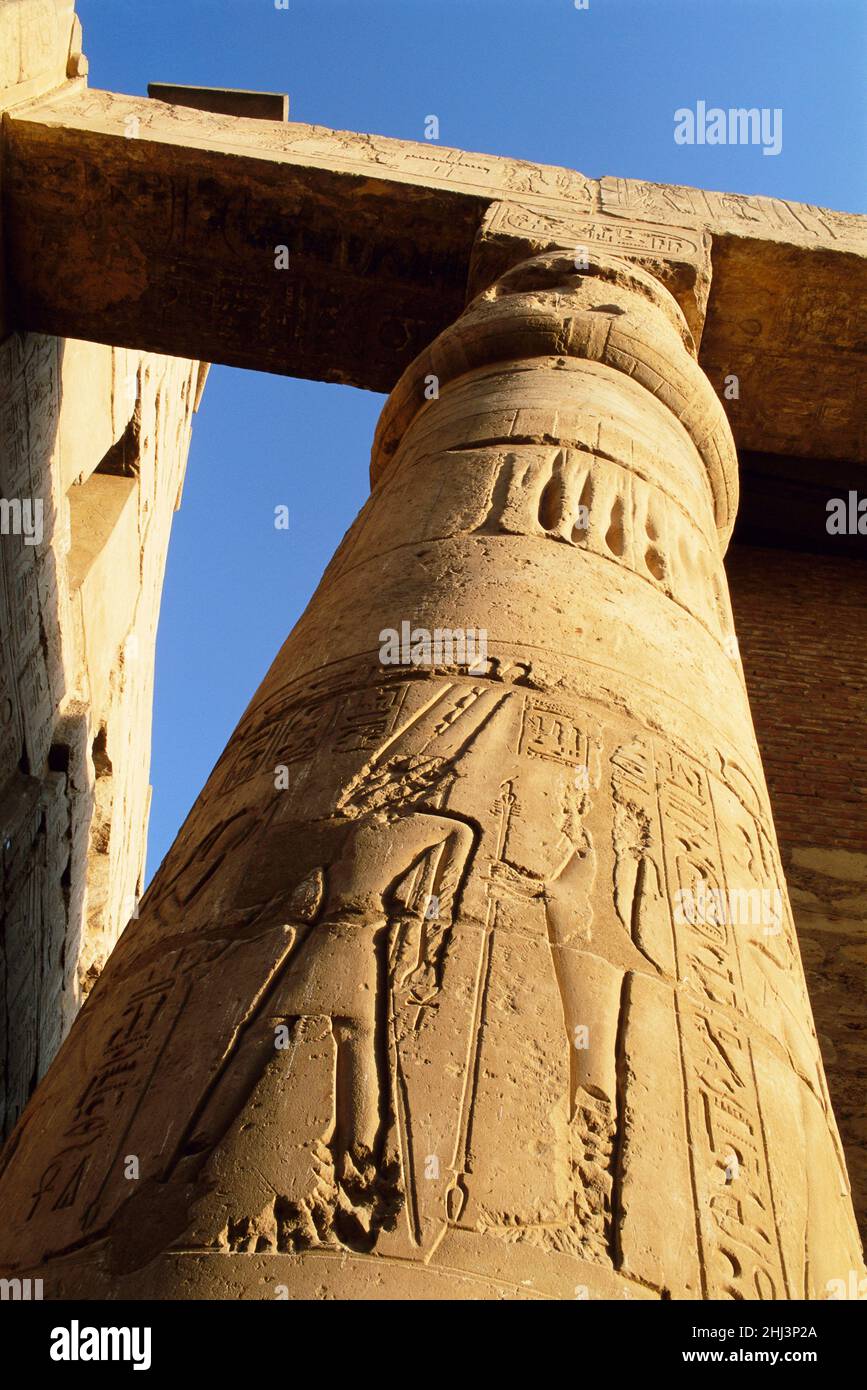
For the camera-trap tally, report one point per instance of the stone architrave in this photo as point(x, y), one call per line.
point(155, 226)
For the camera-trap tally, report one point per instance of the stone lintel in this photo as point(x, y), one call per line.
point(152, 225)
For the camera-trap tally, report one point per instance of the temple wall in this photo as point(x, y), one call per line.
point(93, 446)
point(802, 629)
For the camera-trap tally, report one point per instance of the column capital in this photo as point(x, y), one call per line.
point(609, 311)
point(677, 253)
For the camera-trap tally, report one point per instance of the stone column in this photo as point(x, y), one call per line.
point(472, 974)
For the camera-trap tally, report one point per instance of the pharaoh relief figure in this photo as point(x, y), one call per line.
point(409, 1010)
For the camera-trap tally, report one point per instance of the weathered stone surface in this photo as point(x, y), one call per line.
point(415, 1006)
point(383, 237)
point(97, 438)
point(93, 444)
point(678, 256)
point(40, 47)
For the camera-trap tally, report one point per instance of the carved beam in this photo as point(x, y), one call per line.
point(156, 226)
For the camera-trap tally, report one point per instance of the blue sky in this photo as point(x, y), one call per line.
point(592, 89)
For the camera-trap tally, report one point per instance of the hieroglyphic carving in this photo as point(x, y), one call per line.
point(378, 268)
point(448, 833)
point(739, 1228)
point(614, 234)
point(722, 1102)
point(443, 1012)
point(679, 255)
point(730, 211)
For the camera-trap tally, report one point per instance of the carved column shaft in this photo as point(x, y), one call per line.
point(471, 973)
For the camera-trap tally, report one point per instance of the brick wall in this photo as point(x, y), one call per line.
point(802, 629)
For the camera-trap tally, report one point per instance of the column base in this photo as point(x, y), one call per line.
point(463, 1268)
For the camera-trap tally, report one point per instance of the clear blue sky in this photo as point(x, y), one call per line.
point(592, 89)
